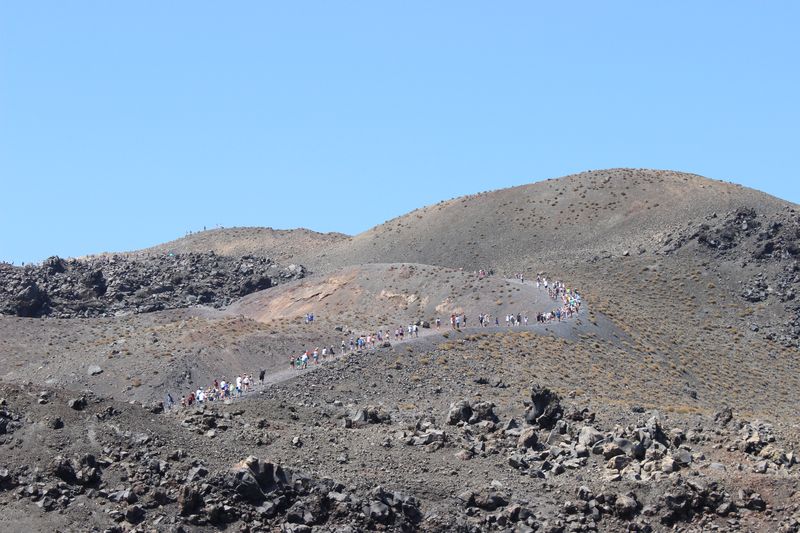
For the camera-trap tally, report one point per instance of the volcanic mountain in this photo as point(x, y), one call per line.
point(665, 400)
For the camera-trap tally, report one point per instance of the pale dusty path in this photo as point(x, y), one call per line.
point(543, 302)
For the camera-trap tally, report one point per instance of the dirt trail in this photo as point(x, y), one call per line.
point(542, 302)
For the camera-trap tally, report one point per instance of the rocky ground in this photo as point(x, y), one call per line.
point(116, 285)
point(437, 451)
point(668, 404)
point(765, 246)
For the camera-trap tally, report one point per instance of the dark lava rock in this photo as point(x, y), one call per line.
point(253, 479)
point(109, 285)
point(545, 407)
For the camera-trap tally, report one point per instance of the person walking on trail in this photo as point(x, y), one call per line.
point(458, 321)
point(438, 322)
point(261, 375)
point(304, 360)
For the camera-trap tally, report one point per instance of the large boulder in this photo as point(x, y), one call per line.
point(460, 411)
point(545, 409)
point(482, 411)
point(189, 500)
point(63, 468)
point(253, 480)
point(625, 506)
point(371, 414)
point(30, 301)
point(589, 436)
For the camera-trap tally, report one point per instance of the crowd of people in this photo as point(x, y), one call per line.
point(219, 391)
point(570, 300)
point(569, 304)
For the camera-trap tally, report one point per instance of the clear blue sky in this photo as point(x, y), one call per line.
point(125, 124)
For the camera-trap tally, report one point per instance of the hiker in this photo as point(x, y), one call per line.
point(438, 322)
point(261, 375)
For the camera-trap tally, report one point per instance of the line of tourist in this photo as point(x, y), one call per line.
point(221, 390)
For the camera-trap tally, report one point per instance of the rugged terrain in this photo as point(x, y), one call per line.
point(668, 403)
point(115, 285)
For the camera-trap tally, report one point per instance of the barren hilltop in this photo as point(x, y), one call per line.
point(654, 388)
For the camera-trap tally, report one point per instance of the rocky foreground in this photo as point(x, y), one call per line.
point(179, 472)
point(114, 285)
